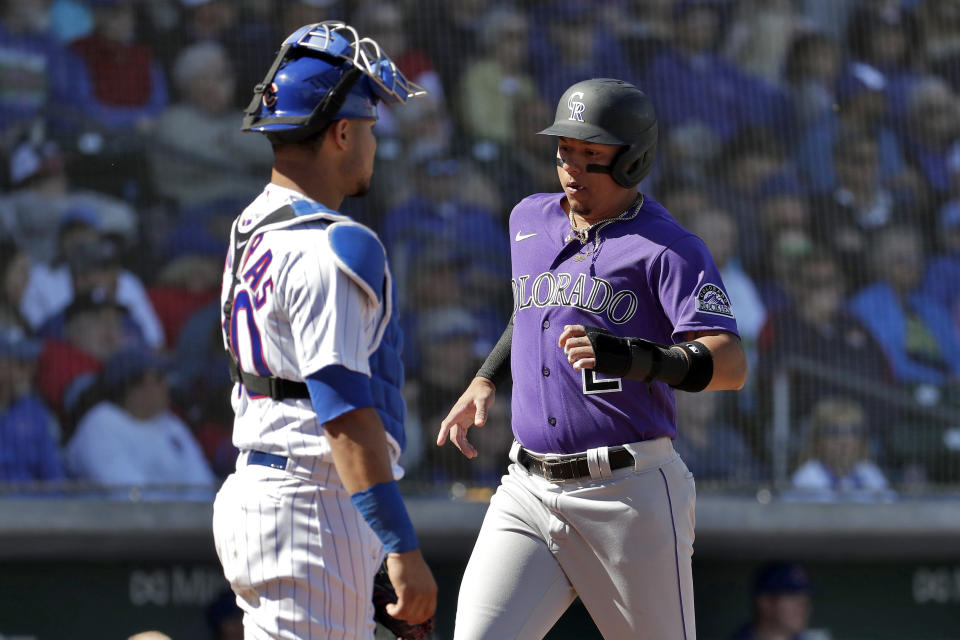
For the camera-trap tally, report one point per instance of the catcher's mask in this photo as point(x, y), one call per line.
point(608, 111)
point(324, 72)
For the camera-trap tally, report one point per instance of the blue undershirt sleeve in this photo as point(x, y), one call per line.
point(336, 390)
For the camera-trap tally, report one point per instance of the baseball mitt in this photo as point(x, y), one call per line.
point(384, 594)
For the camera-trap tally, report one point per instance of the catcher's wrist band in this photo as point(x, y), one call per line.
point(687, 366)
point(382, 507)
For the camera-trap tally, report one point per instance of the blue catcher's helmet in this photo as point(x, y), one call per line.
point(324, 72)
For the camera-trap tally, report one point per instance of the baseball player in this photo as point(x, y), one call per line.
point(596, 503)
point(304, 523)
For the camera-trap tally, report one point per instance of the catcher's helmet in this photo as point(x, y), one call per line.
point(324, 72)
point(608, 111)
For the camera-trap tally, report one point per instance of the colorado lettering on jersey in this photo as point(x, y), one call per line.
point(592, 294)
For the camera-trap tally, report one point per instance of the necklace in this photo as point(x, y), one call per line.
point(583, 234)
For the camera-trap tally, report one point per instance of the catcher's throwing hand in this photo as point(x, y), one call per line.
point(405, 604)
point(576, 346)
point(471, 409)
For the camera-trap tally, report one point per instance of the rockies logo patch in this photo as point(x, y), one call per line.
point(712, 299)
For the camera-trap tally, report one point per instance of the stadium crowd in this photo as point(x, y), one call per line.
point(814, 146)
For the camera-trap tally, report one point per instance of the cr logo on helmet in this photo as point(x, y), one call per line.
point(576, 107)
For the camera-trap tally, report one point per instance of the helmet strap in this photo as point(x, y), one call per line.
point(250, 113)
point(323, 113)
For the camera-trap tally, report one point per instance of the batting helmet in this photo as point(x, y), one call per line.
point(608, 111)
point(324, 72)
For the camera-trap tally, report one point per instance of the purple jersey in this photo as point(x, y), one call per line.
point(644, 276)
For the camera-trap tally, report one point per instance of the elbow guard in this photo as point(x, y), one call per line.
point(687, 366)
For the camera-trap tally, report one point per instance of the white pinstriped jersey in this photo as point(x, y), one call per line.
point(295, 312)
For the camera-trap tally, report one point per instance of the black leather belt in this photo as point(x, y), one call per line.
point(570, 467)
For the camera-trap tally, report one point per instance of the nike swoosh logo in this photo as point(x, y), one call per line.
point(524, 236)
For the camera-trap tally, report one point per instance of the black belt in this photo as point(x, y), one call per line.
point(573, 466)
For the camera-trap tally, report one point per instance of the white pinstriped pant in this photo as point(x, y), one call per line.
point(297, 553)
point(622, 542)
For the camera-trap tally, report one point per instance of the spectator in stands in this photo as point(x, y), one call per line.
point(759, 36)
point(939, 22)
point(248, 30)
point(885, 36)
point(92, 267)
point(847, 219)
point(811, 69)
point(861, 101)
point(942, 280)
point(198, 153)
point(29, 450)
point(124, 86)
point(836, 463)
point(932, 132)
point(568, 43)
point(690, 80)
point(816, 325)
point(14, 274)
point(36, 72)
point(690, 149)
point(494, 85)
point(42, 192)
point(518, 168)
point(781, 604)
point(742, 167)
point(451, 37)
point(133, 439)
point(642, 28)
point(783, 214)
point(714, 450)
point(681, 194)
point(913, 329)
point(93, 331)
point(188, 277)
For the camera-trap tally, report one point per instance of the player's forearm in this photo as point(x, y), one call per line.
point(359, 446)
point(729, 362)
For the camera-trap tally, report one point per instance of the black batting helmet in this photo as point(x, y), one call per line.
point(609, 111)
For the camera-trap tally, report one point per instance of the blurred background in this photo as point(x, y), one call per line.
point(813, 144)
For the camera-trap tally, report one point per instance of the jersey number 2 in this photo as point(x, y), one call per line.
point(592, 384)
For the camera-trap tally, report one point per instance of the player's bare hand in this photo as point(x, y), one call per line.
point(416, 589)
point(471, 409)
point(576, 346)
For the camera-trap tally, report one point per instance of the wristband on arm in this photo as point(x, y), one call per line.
point(687, 366)
point(382, 507)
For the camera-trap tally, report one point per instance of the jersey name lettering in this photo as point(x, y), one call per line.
point(254, 275)
point(592, 294)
